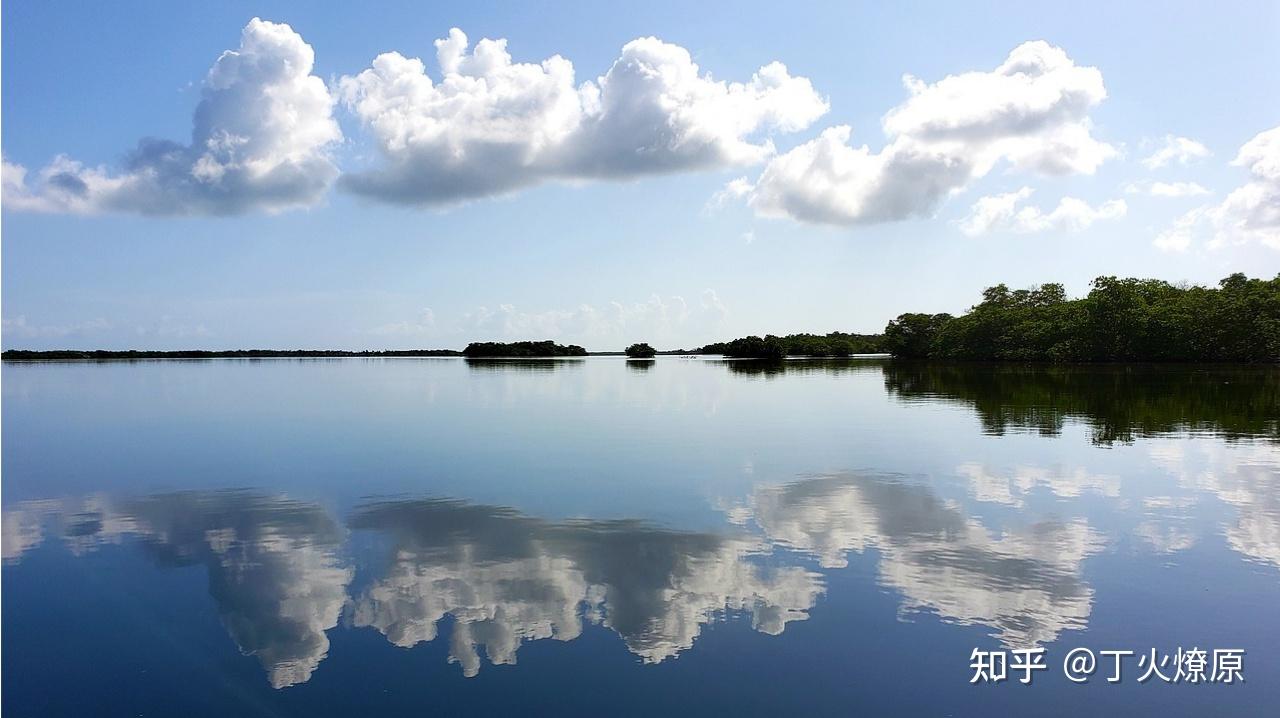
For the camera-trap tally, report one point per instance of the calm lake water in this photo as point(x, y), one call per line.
point(590, 537)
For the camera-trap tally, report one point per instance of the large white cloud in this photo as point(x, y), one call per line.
point(490, 125)
point(259, 142)
point(1250, 213)
point(1031, 112)
point(1008, 213)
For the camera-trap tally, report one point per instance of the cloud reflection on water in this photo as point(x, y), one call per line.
point(272, 562)
point(505, 578)
point(280, 576)
point(1025, 582)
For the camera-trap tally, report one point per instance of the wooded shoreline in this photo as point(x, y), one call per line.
point(1118, 321)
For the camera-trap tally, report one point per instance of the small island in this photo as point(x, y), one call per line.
point(641, 351)
point(522, 350)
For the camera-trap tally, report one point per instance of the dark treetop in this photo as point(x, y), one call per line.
point(641, 351)
point(773, 347)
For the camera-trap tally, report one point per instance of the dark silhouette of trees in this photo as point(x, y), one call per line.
point(546, 348)
point(835, 344)
point(641, 351)
point(912, 335)
point(1119, 320)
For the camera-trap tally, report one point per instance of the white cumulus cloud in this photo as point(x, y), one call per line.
point(1008, 213)
point(259, 141)
point(1181, 150)
point(1250, 213)
point(491, 126)
point(1031, 112)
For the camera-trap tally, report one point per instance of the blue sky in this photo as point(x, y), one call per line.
point(322, 207)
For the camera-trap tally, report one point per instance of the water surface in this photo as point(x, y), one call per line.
point(408, 536)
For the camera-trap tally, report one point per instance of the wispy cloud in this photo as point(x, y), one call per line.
point(1171, 190)
point(1250, 213)
point(18, 326)
point(1008, 213)
point(424, 324)
point(660, 318)
point(1172, 149)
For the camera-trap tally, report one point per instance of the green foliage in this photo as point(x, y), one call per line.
point(753, 347)
point(835, 344)
point(546, 348)
point(912, 335)
point(1119, 320)
point(641, 351)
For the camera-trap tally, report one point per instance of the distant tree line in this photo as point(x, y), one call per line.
point(103, 355)
point(1118, 320)
point(835, 344)
point(523, 349)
